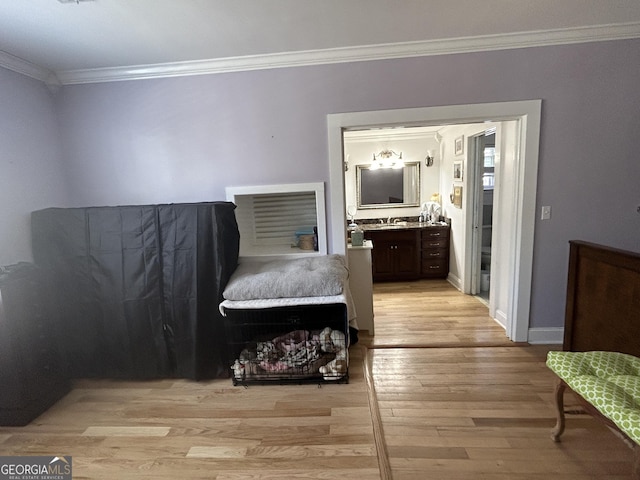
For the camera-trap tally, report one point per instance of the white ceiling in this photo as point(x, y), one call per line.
point(106, 39)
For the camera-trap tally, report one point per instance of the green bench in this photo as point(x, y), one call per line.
point(608, 385)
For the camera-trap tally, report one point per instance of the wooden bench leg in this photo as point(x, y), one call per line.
point(559, 404)
point(559, 428)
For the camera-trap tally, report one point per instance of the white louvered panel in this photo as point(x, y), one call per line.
point(277, 216)
point(269, 215)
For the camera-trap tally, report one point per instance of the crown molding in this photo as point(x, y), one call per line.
point(449, 46)
point(25, 68)
point(395, 134)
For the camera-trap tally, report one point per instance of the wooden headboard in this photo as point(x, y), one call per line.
point(603, 299)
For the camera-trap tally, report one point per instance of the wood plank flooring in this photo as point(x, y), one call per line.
point(431, 313)
point(484, 413)
point(443, 395)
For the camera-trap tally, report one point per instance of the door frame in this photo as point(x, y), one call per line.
point(527, 112)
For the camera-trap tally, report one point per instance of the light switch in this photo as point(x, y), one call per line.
point(546, 213)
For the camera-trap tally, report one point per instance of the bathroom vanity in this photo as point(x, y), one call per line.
point(408, 251)
point(434, 251)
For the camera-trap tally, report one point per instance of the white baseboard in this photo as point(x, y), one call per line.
point(455, 281)
point(501, 319)
point(549, 336)
point(536, 336)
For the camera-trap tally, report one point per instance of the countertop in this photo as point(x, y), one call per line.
point(366, 245)
point(368, 227)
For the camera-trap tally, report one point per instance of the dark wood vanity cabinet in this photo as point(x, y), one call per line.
point(395, 255)
point(434, 243)
point(409, 254)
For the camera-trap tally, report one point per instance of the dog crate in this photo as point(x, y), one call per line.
point(288, 344)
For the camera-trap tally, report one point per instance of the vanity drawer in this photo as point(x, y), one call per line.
point(435, 267)
point(435, 242)
point(435, 254)
point(431, 234)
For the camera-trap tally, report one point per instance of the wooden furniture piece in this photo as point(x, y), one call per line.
point(434, 251)
point(31, 375)
point(417, 251)
point(602, 314)
point(361, 284)
point(603, 299)
point(396, 254)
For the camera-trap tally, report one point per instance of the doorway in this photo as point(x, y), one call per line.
point(515, 277)
point(483, 181)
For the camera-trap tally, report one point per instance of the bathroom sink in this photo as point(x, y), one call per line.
point(385, 226)
point(399, 225)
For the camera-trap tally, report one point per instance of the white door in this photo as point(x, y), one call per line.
point(482, 175)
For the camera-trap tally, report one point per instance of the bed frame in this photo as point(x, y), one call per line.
point(602, 313)
point(603, 300)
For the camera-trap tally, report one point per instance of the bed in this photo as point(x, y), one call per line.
point(289, 320)
point(599, 361)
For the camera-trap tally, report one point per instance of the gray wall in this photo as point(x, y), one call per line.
point(31, 176)
point(185, 139)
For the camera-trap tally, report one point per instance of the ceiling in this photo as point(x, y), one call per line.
point(98, 40)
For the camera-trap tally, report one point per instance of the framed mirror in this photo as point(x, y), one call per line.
point(388, 187)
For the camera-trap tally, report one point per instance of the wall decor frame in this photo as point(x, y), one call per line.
point(458, 145)
point(457, 196)
point(457, 171)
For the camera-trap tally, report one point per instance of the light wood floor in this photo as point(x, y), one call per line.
point(442, 395)
point(431, 313)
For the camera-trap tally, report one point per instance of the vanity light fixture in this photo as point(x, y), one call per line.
point(384, 159)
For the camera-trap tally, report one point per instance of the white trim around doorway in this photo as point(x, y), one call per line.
point(528, 112)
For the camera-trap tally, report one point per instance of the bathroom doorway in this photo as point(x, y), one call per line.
point(517, 230)
point(484, 182)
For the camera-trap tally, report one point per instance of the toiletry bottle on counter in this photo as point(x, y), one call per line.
point(357, 237)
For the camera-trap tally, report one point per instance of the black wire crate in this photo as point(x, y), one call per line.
point(288, 344)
